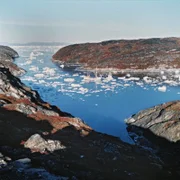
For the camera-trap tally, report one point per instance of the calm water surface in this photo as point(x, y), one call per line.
point(104, 104)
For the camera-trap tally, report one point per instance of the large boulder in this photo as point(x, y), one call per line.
point(37, 143)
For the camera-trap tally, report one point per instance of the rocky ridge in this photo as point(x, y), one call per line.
point(39, 141)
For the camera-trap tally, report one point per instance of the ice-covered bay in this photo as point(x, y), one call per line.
point(102, 102)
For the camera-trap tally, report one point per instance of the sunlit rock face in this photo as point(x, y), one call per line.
point(162, 120)
point(139, 54)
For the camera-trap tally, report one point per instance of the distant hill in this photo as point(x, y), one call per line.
point(138, 54)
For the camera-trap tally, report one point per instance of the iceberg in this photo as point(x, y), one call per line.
point(69, 80)
point(162, 88)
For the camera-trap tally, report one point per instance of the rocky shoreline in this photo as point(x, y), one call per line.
point(39, 141)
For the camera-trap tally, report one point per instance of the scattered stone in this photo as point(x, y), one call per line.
point(37, 143)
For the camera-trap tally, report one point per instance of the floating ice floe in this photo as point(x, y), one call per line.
point(32, 56)
point(139, 84)
point(83, 90)
point(75, 85)
point(28, 78)
point(132, 79)
point(88, 79)
point(34, 68)
point(41, 61)
point(121, 78)
point(164, 77)
point(171, 82)
point(39, 75)
point(61, 66)
point(55, 84)
point(75, 75)
point(69, 80)
point(41, 81)
point(147, 79)
point(177, 76)
point(126, 85)
point(162, 88)
point(109, 77)
point(162, 72)
point(53, 78)
point(49, 71)
point(177, 72)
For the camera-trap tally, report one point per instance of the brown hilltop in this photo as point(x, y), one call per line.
point(124, 54)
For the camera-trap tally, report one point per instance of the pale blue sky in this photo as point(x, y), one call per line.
point(87, 20)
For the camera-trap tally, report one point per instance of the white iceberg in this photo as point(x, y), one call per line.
point(162, 88)
point(69, 80)
point(49, 71)
point(34, 68)
point(39, 75)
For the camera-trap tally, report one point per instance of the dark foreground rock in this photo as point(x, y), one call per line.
point(142, 54)
point(39, 141)
point(158, 128)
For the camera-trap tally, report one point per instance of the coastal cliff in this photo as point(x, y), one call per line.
point(39, 141)
point(142, 54)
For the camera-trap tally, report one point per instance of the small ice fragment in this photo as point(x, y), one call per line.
point(162, 72)
point(76, 74)
point(68, 80)
point(162, 88)
point(34, 68)
point(177, 72)
point(147, 79)
point(164, 77)
point(62, 66)
point(39, 75)
point(75, 85)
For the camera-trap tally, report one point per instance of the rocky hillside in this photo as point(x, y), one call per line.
point(39, 141)
point(7, 56)
point(123, 54)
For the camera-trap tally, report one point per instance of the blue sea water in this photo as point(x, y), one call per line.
point(104, 105)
